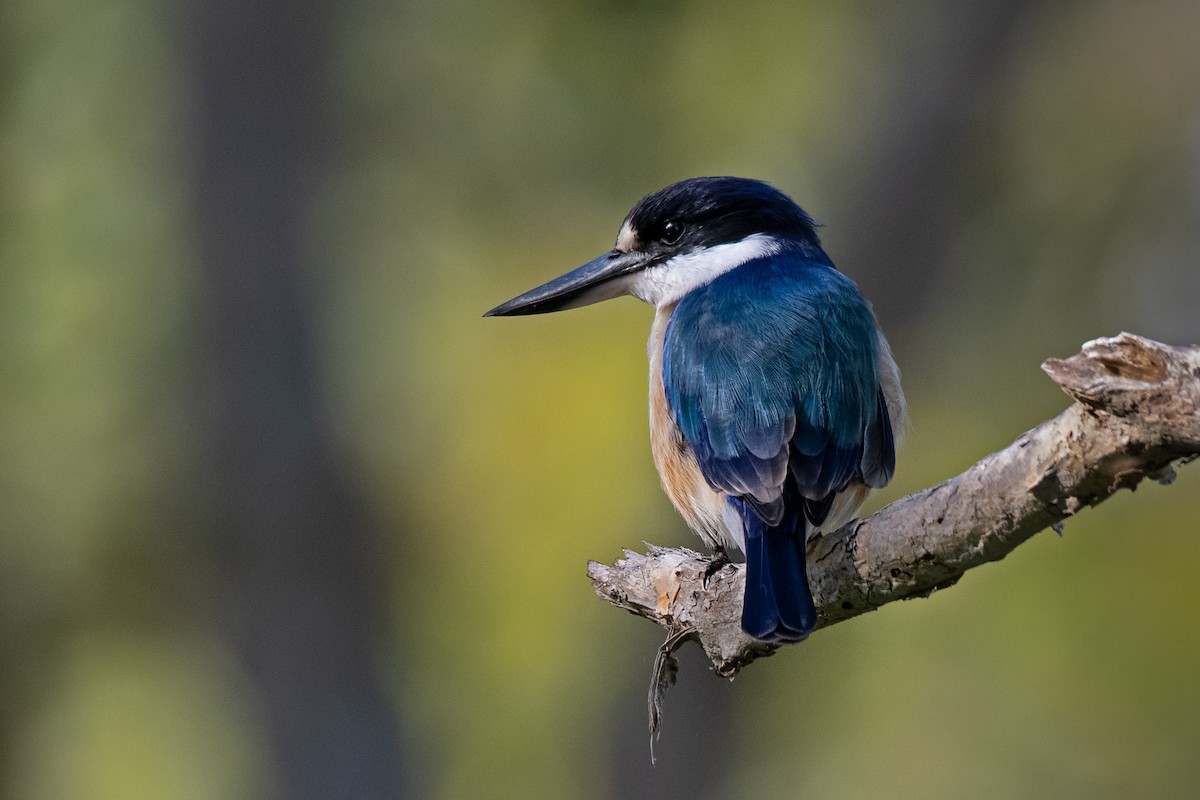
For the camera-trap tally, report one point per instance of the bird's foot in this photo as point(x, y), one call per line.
point(718, 562)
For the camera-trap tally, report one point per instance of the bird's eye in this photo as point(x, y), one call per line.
point(671, 231)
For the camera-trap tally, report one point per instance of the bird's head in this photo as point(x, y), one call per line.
point(677, 239)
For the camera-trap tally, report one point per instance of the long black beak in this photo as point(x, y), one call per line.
point(601, 278)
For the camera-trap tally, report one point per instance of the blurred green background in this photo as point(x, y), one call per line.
point(282, 516)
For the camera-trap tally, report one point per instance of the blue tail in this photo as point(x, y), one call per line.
point(778, 606)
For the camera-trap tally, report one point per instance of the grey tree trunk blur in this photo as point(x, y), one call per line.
point(289, 540)
point(916, 169)
point(692, 753)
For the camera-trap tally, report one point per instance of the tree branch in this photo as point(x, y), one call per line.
point(1135, 413)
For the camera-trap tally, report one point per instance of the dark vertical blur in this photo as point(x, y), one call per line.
point(917, 167)
point(691, 753)
point(299, 605)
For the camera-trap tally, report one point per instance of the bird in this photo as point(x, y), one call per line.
point(775, 402)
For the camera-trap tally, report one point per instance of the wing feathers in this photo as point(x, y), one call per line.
point(879, 447)
point(770, 370)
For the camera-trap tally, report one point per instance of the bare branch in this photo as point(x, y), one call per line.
point(1136, 412)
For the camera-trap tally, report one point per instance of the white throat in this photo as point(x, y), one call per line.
point(671, 280)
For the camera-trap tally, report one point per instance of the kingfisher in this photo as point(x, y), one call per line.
point(775, 403)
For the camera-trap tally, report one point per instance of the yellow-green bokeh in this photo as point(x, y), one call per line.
point(482, 148)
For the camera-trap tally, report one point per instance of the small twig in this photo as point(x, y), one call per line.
point(666, 669)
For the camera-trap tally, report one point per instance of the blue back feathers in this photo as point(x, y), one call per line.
point(770, 371)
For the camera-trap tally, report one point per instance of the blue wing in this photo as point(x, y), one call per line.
point(770, 372)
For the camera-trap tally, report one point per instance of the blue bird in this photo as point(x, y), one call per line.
point(775, 404)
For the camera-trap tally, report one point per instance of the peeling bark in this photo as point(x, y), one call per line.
point(1135, 414)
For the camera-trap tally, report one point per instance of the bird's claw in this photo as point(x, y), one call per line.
point(718, 562)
